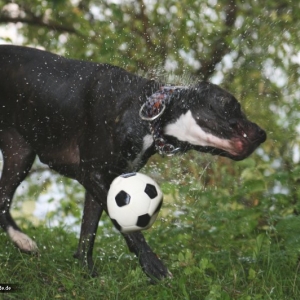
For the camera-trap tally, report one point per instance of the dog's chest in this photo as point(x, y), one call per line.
point(137, 162)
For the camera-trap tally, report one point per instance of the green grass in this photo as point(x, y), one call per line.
point(204, 266)
point(222, 233)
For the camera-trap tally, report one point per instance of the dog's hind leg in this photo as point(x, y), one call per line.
point(90, 219)
point(18, 158)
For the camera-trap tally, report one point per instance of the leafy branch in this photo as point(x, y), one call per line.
point(220, 46)
point(40, 22)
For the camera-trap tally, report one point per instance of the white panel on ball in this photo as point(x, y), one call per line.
point(133, 202)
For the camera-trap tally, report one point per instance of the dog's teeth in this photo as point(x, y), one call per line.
point(244, 135)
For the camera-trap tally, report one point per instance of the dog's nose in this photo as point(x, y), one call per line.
point(262, 134)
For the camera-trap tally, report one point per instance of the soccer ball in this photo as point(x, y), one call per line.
point(133, 202)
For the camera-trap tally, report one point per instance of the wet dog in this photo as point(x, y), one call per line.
point(92, 122)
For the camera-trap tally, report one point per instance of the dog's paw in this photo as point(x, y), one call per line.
point(153, 267)
point(22, 241)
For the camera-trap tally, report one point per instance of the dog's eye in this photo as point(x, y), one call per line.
point(224, 101)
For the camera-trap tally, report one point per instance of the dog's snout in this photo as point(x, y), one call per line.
point(247, 129)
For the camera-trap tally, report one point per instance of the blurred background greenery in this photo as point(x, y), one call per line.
point(249, 47)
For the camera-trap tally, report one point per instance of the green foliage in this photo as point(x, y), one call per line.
point(254, 266)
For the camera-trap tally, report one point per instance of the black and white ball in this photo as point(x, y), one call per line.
point(133, 202)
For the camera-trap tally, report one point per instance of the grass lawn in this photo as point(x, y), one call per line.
point(231, 239)
point(205, 265)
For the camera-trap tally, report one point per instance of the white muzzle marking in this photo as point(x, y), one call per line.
point(186, 129)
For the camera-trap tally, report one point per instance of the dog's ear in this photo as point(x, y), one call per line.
point(189, 99)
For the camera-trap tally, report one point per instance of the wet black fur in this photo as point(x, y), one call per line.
point(81, 119)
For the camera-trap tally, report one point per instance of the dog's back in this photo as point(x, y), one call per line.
point(57, 96)
point(35, 78)
point(30, 75)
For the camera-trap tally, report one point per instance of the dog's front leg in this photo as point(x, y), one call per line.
point(90, 219)
point(149, 261)
point(98, 185)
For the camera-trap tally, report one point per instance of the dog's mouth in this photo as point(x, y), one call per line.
point(242, 143)
point(236, 139)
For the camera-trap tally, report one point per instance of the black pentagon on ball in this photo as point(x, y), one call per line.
point(151, 191)
point(122, 198)
point(143, 220)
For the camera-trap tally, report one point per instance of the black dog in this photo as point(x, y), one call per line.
point(84, 120)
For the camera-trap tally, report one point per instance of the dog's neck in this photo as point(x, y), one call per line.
point(151, 111)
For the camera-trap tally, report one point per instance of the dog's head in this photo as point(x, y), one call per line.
point(209, 119)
